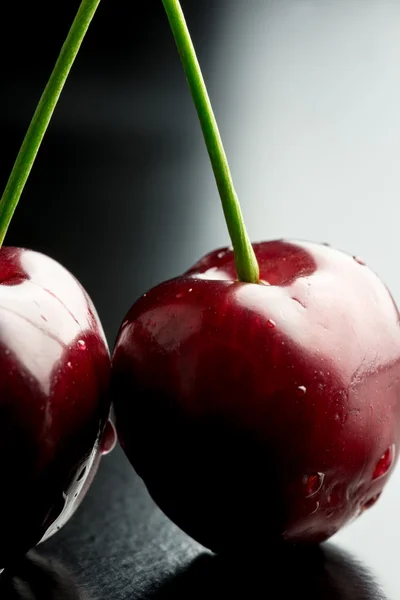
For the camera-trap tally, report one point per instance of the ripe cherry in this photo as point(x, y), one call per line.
point(54, 361)
point(247, 432)
point(258, 394)
point(54, 402)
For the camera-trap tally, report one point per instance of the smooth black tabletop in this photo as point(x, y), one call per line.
point(307, 96)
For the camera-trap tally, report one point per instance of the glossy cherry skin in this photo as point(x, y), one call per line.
point(54, 400)
point(262, 413)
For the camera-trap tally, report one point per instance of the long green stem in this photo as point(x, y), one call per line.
point(44, 111)
point(245, 260)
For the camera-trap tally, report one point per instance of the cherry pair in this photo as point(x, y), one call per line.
point(260, 412)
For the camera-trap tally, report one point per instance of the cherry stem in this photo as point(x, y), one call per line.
point(44, 111)
point(245, 259)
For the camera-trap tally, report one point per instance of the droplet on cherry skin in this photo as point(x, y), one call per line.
point(271, 324)
point(109, 438)
point(384, 463)
point(313, 483)
point(371, 502)
point(360, 261)
point(81, 345)
point(301, 390)
point(316, 509)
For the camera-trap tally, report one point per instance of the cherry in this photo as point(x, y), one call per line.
point(54, 361)
point(258, 394)
point(242, 430)
point(54, 401)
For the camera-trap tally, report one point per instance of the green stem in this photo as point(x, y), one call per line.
point(44, 111)
point(245, 260)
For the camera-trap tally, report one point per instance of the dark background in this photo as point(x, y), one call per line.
point(122, 195)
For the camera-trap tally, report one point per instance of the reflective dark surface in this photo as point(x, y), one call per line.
point(307, 96)
point(120, 545)
point(38, 578)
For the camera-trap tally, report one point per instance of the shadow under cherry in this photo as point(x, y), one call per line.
point(320, 573)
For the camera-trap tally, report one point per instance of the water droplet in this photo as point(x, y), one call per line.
point(313, 483)
point(359, 260)
point(315, 509)
point(371, 502)
point(263, 282)
point(82, 474)
point(301, 390)
point(298, 302)
point(44, 318)
point(109, 438)
point(81, 345)
point(144, 295)
point(384, 463)
point(221, 254)
point(271, 324)
point(69, 365)
point(191, 290)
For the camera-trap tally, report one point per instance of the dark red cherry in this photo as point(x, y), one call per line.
point(261, 413)
point(54, 401)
